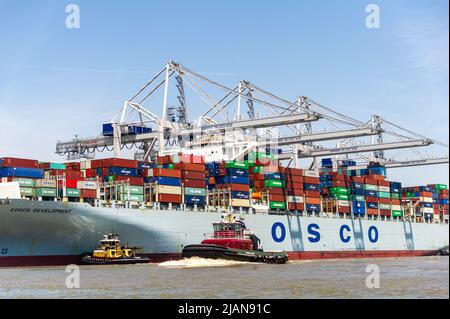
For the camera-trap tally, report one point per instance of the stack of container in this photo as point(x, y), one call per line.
point(420, 200)
point(23, 171)
point(268, 183)
point(295, 194)
point(193, 174)
point(396, 199)
point(311, 188)
point(440, 201)
point(167, 184)
point(358, 192)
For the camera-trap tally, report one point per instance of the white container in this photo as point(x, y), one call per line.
point(296, 199)
point(240, 202)
point(10, 190)
point(384, 189)
point(385, 206)
point(427, 210)
point(87, 185)
point(85, 164)
point(165, 189)
point(396, 207)
point(309, 173)
point(344, 203)
point(426, 199)
point(45, 183)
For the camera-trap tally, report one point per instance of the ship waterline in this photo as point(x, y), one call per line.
point(54, 233)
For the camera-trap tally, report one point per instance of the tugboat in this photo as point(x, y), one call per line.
point(233, 241)
point(111, 252)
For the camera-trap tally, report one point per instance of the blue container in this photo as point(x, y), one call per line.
point(232, 180)
point(22, 172)
point(359, 211)
point(194, 199)
point(428, 216)
point(425, 204)
point(122, 171)
point(240, 195)
point(396, 186)
point(99, 171)
point(108, 129)
point(357, 186)
point(143, 165)
point(370, 193)
point(275, 176)
point(359, 192)
point(426, 189)
point(169, 181)
point(311, 187)
point(443, 202)
point(312, 208)
point(359, 204)
point(237, 172)
point(327, 162)
point(372, 205)
point(135, 130)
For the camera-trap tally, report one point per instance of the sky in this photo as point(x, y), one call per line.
point(57, 82)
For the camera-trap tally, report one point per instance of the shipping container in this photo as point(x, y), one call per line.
point(170, 190)
point(18, 162)
point(87, 185)
point(235, 202)
point(36, 173)
point(45, 192)
point(194, 199)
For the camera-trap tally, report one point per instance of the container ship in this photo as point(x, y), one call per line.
point(190, 175)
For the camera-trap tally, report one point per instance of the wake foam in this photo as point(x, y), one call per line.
point(200, 262)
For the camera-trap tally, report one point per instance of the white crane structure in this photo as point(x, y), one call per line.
point(240, 119)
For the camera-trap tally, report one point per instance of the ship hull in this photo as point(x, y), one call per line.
point(36, 233)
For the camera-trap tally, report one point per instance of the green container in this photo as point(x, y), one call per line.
point(25, 182)
point(395, 195)
point(27, 191)
point(359, 198)
point(410, 195)
point(277, 205)
point(234, 164)
point(258, 169)
point(340, 190)
point(384, 195)
point(134, 190)
point(57, 166)
point(195, 191)
point(252, 156)
point(369, 187)
point(132, 198)
point(171, 166)
point(341, 196)
point(45, 192)
point(440, 186)
point(111, 179)
point(274, 183)
point(397, 213)
point(72, 192)
point(249, 163)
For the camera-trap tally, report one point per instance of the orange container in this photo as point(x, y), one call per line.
point(312, 200)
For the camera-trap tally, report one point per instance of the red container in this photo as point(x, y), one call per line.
point(376, 177)
point(312, 200)
point(294, 179)
point(288, 171)
point(91, 173)
point(275, 191)
point(311, 180)
point(190, 167)
point(385, 212)
point(372, 211)
point(371, 199)
point(384, 200)
point(343, 209)
point(295, 192)
point(358, 179)
point(19, 162)
point(169, 198)
point(97, 163)
point(119, 162)
point(395, 201)
point(340, 184)
point(257, 177)
point(339, 177)
point(165, 172)
point(73, 166)
point(235, 187)
point(164, 160)
point(294, 185)
point(193, 175)
point(384, 183)
point(277, 198)
point(72, 183)
point(426, 194)
point(134, 181)
point(371, 181)
point(88, 193)
point(195, 183)
point(312, 194)
point(296, 206)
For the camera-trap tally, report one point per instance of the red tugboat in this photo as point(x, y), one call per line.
point(233, 241)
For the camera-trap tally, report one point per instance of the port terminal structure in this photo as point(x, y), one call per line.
point(242, 119)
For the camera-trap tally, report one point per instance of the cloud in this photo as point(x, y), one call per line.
point(427, 38)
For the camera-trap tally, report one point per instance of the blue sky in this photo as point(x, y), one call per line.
point(56, 82)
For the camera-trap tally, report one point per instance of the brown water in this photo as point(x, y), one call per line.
point(426, 277)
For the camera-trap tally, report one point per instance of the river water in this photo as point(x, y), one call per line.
point(424, 277)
